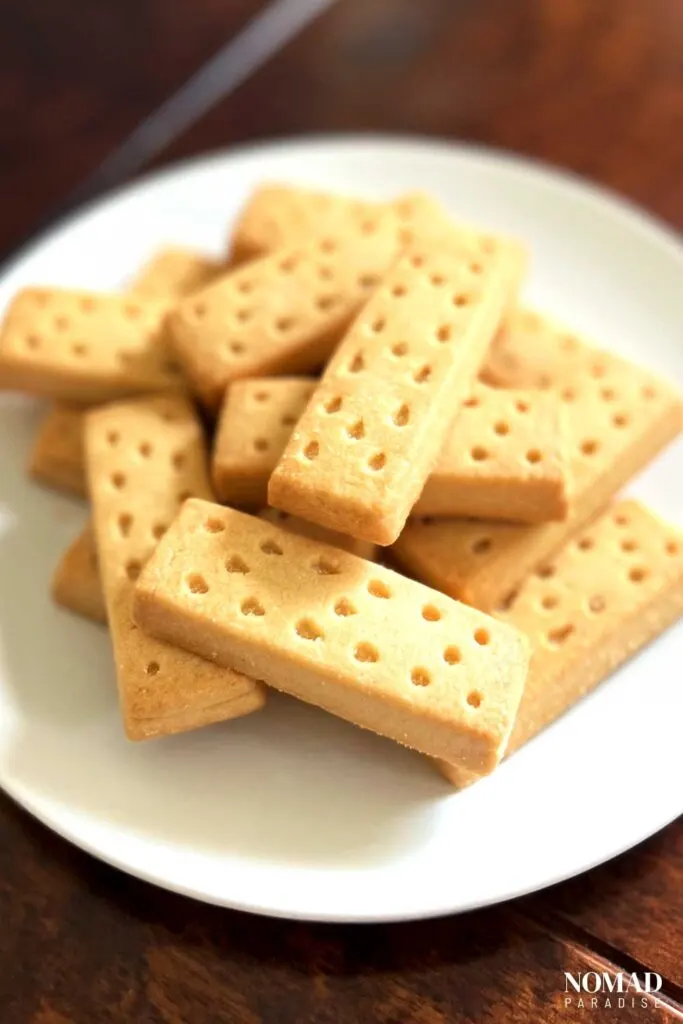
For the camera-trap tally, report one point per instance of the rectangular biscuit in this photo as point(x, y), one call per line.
point(255, 423)
point(372, 431)
point(84, 347)
point(57, 457)
point(76, 583)
point(280, 216)
point(321, 624)
point(620, 416)
point(173, 272)
point(283, 313)
point(608, 592)
point(505, 457)
point(144, 459)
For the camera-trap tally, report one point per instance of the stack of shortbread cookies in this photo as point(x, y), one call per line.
point(375, 396)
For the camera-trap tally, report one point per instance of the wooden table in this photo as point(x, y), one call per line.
point(593, 85)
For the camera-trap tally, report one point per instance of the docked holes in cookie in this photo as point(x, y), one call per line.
point(558, 636)
point(288, 265)
point(199, 310)
point(621, 519)
point(482, 636)
point(158, 530)
point(243, 316)
point(61, 323)
point(367, 281)
point(343, 607)
point(481, 545)
point(479, 454)
point(87, 304)
point(378, 325)
point(261, 444)
point(672, 547)
point(307, 629)
point(113, 437)
point(288, 420)
point(431, 613)
point(648, 392)
point(533, 456)
point(261, 396)
point(399, 290)
point(333, 405)
point(628, 545)
point(637, 574)
point(356, 431)
point(377, 462)
point(402, 415)
point(178, 460)
point(133, 569)
point(283, 324)
point(271, 547)
point(589, 447)
point(145, 449)
point(152, 668)
point(544, 572)
point(32, 341)
point(444, 333)
point(118, 481)
point(326, 302)
point(471, 403)
point(312, 450)
point(501, 428)
point(419, 676)
point(252, 606)
point(325, 566)
point(620, 420)
point(422, 375)
point(568, 394)
point(132, 311)
point(235, 563)
point(79, 349)
point(196, 584)
point(521, 406)
point(399, 349)
point(125, 523)
point(365, 652)
point(378, 588)
point(461, 300)
point(596, 604)
point(245, 286)
point(585, 543)
point(474, 698)
point(549, 601)
point(357, 363)
point(452, 655)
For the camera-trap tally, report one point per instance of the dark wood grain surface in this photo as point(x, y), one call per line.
point(593, 86)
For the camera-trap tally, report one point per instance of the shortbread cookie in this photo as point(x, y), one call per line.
point(254, 426)
point(281, 314)
point(57, 457)
point(144, 459)
point(371, 434)
point(305, 529)
point(533, 351)
point(505, 457)
point(354, 638)
point(609, 591)
point(620, 416)
point(279, 216)
point(174, 272)
point(84, 347)
point(76, 583)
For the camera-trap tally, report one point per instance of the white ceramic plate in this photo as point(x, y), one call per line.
point(290, 812)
